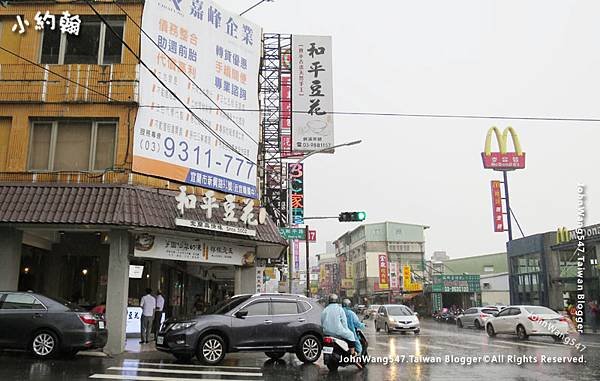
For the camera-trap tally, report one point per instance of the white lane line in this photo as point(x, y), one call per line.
point(179, 371)
point(431, 346)
point(162, 364)
point(457, 345)
point(152, 378)
point(522, 344)
point(496, 346)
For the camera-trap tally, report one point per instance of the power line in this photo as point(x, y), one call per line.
point(203, 123)
point(254, 6)
point(413, 115)
point(184, 73)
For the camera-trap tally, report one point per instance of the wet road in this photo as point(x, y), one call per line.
point(407, 356)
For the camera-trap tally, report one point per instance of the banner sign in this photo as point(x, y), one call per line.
point(503, 160)
point(347, 283)
point(220, 51)
point(296, 255)
point(383, 272)
point(192, 250)
point(312, 236)
point(394, 276)
point(312, 96)
point(296, 174)
point(497, 207)
point(407, 281)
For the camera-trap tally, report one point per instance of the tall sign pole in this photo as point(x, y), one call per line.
point(503, 161)
point(307, 262)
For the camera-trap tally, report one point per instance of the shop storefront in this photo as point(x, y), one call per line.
point(455, 291)
point(106, 244)
point(546, 269)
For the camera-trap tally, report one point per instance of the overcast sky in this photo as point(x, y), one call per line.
point(516, 58)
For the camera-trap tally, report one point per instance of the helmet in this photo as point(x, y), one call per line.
point(333, 298)
point(347, 303)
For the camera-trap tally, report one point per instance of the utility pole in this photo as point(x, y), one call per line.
point(307, 263)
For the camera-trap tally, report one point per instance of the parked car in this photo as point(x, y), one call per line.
point(372, 310)
point(47, 326)
point(397, 318)
point(525, 321)
point(272, 323)
point(475, 316)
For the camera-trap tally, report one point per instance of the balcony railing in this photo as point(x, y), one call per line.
point(21, 83)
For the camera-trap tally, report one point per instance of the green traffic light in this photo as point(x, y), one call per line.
point(362, 216)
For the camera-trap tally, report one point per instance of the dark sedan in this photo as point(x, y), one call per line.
point(272, 323)
point(47, 326)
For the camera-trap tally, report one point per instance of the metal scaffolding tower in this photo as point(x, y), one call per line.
point(275, 69)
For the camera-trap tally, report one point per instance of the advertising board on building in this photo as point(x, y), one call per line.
point(296, 174)
point(312, 93)
point(192, 250)
point(394, 276)
point(383, 272)
point(497, 206)
point(219, 51)
point(456, 283)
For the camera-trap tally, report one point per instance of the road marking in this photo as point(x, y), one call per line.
point(388, 344)
point(179, 371)
point(496, 346)
point(190, 365)
point(430, 346)
point(457, 345)
point(152, 378)
point(521, 344)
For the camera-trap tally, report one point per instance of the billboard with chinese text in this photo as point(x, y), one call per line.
point(497, 206)
point(296, 175)
point(312, 93)
point(219, 51)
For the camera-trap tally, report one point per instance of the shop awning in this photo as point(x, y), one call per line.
point(113, 205)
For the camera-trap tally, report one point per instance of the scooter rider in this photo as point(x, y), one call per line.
point(354, 323)
point(335, 323)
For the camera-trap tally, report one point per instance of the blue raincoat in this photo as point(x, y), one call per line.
point(354, 323)
point(335, 323)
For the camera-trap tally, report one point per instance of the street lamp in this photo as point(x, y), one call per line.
point(289, 217)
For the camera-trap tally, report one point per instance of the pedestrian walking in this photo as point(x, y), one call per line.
point(148, 304)
point(158, 312)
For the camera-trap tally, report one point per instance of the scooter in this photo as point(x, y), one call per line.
point(336, 352)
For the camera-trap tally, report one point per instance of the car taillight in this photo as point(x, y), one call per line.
point(534, 318)
point(483, 315)
point(328, 340)
point(562, 318)
point(87, 319)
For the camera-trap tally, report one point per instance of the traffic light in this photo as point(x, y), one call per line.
point(352, 216)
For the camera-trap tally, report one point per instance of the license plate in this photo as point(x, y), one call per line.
point(327, 350)
point(101, 325)
point(160, 340)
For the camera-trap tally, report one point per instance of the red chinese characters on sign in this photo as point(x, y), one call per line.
point(497, 207)
point(383, 272)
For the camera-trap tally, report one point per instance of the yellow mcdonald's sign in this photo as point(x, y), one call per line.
point(503, 160)
point(562, 235)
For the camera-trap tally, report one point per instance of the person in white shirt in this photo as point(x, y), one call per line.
point(148, 304)
point(160, 305)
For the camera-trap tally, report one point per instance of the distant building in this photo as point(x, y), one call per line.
point(364, 253)
point(439, 256)
point(327, 274)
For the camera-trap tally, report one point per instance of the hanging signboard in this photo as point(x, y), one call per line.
point(296, 174)
point(394, 276)
point(293, 233)
point(383, 272)
point(192, 250)
point(220, 52)
point(312, 93)
point(503, 160)
point(497, 207)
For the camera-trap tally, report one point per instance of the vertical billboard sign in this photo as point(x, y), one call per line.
point(297, 255)
point(497, 206)
point(394, 276)
point(383, 272)
point(406, 280)
point(312, 93)
point(220, 52)
point(296, 174)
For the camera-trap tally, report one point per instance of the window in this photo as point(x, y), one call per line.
point(303, 307)
point(487, 286)
point(488, 269)
point(470, 311)
point(284, 308)
point(72, 145)
point(514, 311)
point(505, 312)
point(95, 44)
point(258, 309)
point(21, 302)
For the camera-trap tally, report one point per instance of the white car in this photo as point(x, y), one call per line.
point(525, 321)
point(397, 318)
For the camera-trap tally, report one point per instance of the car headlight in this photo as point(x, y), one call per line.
point(183, 325)
point(392, 320)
